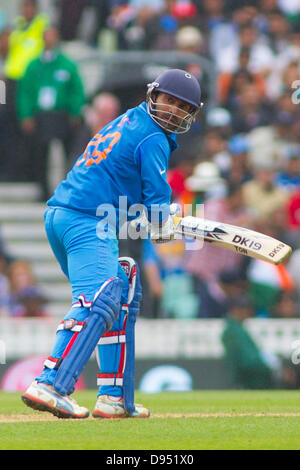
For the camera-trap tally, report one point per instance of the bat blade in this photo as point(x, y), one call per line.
point(238, 239)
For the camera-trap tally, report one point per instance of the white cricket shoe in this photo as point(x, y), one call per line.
point(113, 407)
point(43, 397)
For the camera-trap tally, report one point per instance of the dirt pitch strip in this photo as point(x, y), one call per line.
point(25, 418)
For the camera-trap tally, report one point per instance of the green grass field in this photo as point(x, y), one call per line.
point(196, 420)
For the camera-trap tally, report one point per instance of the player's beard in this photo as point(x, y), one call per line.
point(169, 121)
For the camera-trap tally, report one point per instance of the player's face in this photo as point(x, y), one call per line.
point(172, 111)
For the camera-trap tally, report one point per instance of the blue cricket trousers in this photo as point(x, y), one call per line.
point(87, 260)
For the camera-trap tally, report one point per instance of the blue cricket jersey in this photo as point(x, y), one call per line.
point(129, 158)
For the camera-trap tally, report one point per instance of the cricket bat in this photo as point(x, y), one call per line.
point(238, 239)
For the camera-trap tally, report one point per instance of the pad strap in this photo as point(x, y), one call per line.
point(51, 362)
point(110, 379)
point(71, 325)
point(114, 337)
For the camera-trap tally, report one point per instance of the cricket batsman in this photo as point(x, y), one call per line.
point(129, 158)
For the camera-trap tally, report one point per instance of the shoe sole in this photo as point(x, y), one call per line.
point(98, 414)
point(42, 406)
point(103, 416)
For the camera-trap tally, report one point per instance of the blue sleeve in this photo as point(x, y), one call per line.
point(152, 156)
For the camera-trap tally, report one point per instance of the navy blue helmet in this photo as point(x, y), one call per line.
point(181, 85)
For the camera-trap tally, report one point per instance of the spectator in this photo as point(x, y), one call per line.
point(288, 177)
point(25, 43)
point(4, 47)
point(219, 119)
point(104, 108)
point(102, 12)
point(50, 101)
point(287, 305)
point(251, 110)
point(215, 297)
point(292, 51)
point(213, 13)
point(160, 27)
point(266, 283)
point(69, 16)
point(120, 18)
point(271, 140)
point(30, 303)
point(214, 25)
point(261, 57)
point(214, 143)
point(218, 123)
point(189, 40)
point(160, 23)
point(286, 105)
point(261, 196)
point(139, 24)
point(204, 183)
point(238, 170)
point(185, 11)
point(26, 40)
point(276, 223)
point(278, 31)
point(267, 6)
point(22, 283)
point(177, 177)
point(243, 12)
point(20, 275)
point(282, 79)
point(225, 35)
point(230, 83)
point(245, 360)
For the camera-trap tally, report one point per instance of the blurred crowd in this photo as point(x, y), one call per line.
point(240, 163)
point(20, 293)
